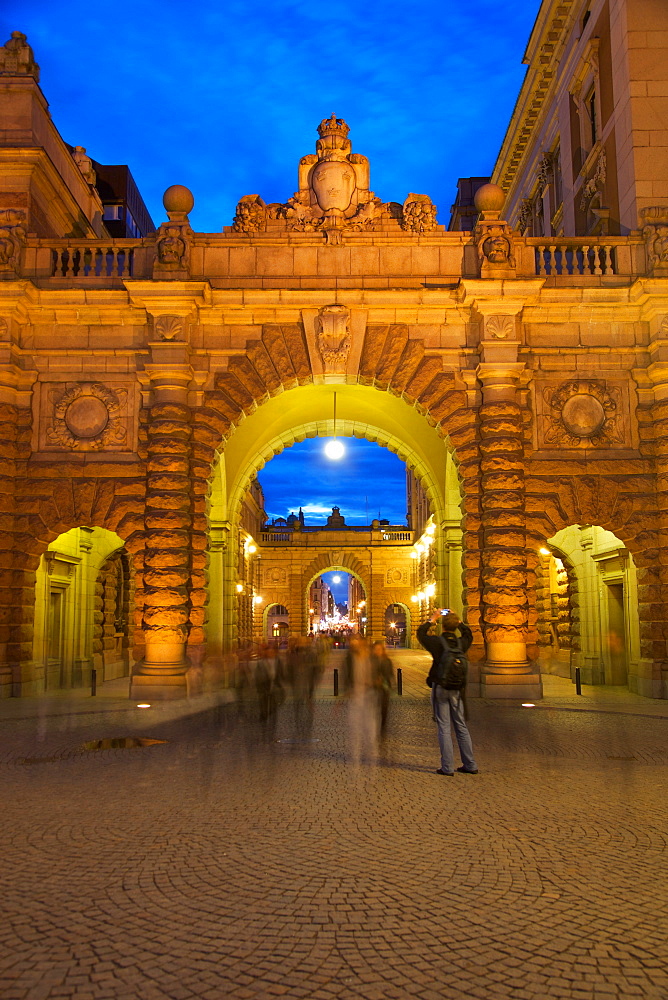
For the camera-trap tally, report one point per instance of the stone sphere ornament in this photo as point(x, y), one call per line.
point(489, 198)
point(178, 200)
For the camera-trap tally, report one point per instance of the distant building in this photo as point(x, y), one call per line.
point(124, 211)
point(463, 213)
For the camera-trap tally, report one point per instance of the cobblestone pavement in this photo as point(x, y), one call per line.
point(236, 862)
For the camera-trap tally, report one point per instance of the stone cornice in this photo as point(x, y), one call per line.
point(543, 53)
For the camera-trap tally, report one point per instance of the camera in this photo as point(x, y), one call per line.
point(445, 611)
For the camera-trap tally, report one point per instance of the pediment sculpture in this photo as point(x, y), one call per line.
point(334, 197)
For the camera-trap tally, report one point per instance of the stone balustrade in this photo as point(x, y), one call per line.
point(586, 257)
point(304, 260)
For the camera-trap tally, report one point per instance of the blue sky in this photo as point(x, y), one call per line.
point(225, 97)
point(368, 479)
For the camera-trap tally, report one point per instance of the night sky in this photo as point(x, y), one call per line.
point(369, 481)
point(225, 97)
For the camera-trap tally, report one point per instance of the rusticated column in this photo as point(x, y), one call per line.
point(168, 521)
point(507, 673)
point(652, 560)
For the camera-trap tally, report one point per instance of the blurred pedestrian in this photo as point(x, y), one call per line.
point(383, 674)
point(362, 692)
point(447, 680)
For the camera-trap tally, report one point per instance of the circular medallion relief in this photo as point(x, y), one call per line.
point(86, 417)
point(582, 415)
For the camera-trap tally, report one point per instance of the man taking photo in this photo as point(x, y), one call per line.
point(447, 680)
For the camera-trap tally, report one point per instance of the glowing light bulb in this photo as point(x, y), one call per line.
point(336, 579)
point(252, 548)
point(431, 528)
point(334, 450)
point(240, 587)
point(544, 552)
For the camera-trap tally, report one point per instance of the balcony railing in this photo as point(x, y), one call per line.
point(587, 256)
point(98, 260)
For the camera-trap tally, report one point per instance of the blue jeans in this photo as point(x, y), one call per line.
point(447, 706)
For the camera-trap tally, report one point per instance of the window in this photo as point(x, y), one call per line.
point(590, 109)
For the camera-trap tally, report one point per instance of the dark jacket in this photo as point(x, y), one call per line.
point(434, 645)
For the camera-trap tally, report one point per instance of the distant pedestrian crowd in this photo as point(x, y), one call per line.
point(270, 676)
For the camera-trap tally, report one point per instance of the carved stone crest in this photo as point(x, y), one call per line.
point(500, 327)
point(333, 197)
point(275, 576)
point(87, 417)
point(333, 337)
point(583, 414)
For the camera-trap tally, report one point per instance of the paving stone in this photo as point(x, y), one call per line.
point(221, 864)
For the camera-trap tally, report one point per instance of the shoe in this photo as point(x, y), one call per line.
point(446, 774)
point(465, 770)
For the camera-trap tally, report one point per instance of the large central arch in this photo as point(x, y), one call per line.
point(307, 411)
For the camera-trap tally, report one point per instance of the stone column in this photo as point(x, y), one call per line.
point(652, 565)
point(507, 673)
point(168, 521)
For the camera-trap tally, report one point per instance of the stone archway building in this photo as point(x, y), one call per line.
point(144, 381)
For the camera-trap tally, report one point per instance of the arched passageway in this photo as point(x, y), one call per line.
point(587, 604)
point(83, 602)
point(242, 570)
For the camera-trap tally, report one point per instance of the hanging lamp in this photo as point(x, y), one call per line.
point(334, 449)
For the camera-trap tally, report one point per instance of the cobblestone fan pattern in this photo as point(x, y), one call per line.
point(232, 862)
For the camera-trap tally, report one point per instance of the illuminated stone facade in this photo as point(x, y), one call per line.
point(143, 382)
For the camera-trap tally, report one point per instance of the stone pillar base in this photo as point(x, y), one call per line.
point(516, 687)
point(147, 687)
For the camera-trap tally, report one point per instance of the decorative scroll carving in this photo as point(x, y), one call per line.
point(251, 215)
point(87, 417)
point(17, 59)
point(333, 337)
point(586, 413)
point(524, 216)
point(595, 183)
point(419, 214)
point(545, 170)
point(169, 327)
point(500, 327)
point(654, 221)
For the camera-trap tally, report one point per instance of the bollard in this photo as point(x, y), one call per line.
point(400, 681)
point(578, 685)
point(336, 682)
point(93, 682)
